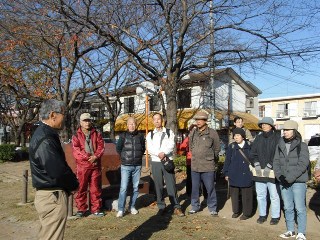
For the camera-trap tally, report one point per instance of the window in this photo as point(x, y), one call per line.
point(310, 109)
point(249, 102)
point(184, 98)
point(129, 105)
point(154, 103)
point(262, 111)
point(282, 111)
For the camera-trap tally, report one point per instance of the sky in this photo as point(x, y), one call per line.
point(302, 76)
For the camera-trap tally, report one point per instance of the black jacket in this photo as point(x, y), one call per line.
point(262, 151)
point(48, 164)
point(131, 147)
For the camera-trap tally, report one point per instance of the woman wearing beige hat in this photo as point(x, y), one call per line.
point(290, 165)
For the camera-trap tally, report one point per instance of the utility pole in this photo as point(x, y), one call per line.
point(211, 88)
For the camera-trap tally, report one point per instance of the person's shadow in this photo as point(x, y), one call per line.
point(314, 203)
point(153, 224)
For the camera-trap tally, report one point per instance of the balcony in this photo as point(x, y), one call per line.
point(282, 114)
point(309, 113)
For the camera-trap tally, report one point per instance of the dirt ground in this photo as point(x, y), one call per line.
point(19, 221)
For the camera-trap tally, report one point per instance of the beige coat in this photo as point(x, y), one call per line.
point(205, 148)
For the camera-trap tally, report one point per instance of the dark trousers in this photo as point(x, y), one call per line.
point(246, 199)
point(188, 181)
point(208, 180)
point(159, 174)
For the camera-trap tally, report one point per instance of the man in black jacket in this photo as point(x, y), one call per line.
point(51, 175)
point(131, 147)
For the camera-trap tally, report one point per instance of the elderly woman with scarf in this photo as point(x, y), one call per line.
point(290, 165)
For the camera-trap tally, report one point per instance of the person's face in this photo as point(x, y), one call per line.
point(131, 125)
point(266, 127)
point(201, 123)
point(86, 124)
point(238, 138)
point(157, 121)
point(239, 123)
point(58, 119)
point(287, 133)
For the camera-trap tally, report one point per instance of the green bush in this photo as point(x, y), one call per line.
point(7, 152)
point(180, 162)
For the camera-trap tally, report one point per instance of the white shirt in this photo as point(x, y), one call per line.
point(153, 145)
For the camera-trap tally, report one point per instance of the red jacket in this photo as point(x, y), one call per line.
point(78, 148)
point(184, 146)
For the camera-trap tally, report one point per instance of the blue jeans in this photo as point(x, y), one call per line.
point(208, 180)
point(261, 189)
point(294, 198)
point(128, 172)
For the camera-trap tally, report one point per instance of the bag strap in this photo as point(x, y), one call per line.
point(245, 157)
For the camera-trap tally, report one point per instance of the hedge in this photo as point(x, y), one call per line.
point(7, 152)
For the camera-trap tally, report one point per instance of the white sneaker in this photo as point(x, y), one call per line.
point(288, 234)
point(134, 211)
point(300, 236)
point(120, 214)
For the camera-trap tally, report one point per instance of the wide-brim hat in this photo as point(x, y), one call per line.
point(290, 124)
point(266, 120)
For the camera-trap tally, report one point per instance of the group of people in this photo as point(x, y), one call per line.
point(273, 164)
point(278, 163)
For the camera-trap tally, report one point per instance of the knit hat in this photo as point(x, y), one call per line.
point(201, 115)
point(290, 124)
point(266, 120)
point(85, 116)
point(239, 131)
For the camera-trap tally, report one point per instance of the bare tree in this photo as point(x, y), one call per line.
point(168, 39)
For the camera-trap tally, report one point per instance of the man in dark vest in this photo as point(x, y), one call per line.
point(131, 147)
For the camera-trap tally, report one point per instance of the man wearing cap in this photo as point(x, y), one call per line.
point(205, 148)
point(262, 154)
point(87, 149)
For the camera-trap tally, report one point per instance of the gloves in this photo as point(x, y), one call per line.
point(284, 182)
point(267, 170)
point(258, 169)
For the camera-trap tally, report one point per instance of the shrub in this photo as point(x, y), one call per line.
point(7, 152)
point(180, 162)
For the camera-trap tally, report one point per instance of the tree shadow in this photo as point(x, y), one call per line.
point(314, 203)
point(149, 227)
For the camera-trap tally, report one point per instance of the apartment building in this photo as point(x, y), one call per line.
point(305, 109)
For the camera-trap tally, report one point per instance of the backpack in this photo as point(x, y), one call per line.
point(167, 131)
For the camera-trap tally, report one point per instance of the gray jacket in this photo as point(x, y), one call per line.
point(205, 148)
point(292, 166)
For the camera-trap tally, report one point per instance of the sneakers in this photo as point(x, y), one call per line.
point(79, 214)
point(300, 236)
point(134, 211)
point(214, 213)
point(178, 212)
point(98, 214)
point(244, 217)
point(274, 221)
point(120, 214)
point(288, 234)
point(235, 215)
point(261, 219)
point(193, 211)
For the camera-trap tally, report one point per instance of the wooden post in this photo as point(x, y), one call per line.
point(70, 205)
point(24, 186)
point(147, 126)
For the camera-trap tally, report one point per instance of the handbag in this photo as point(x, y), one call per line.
point(168, 164)
point(253, 170)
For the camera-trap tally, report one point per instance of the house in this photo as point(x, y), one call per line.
point(232, 96)
point(305, 109)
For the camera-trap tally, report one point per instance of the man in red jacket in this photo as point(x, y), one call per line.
point(87, 149)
